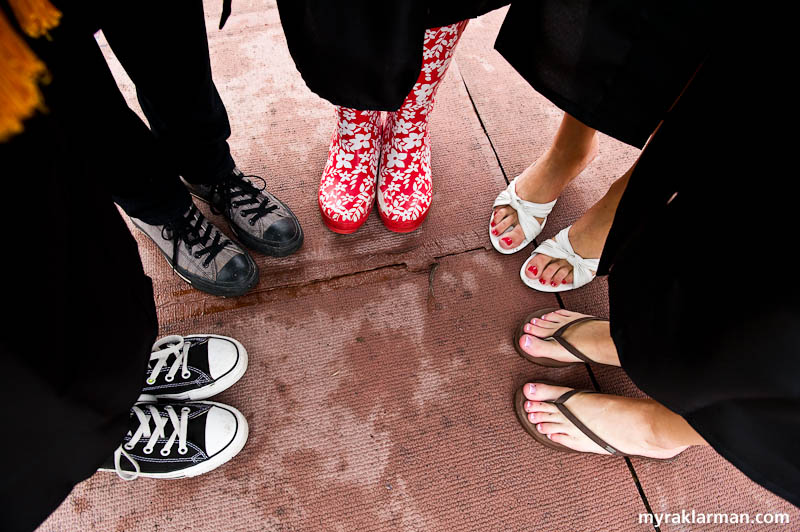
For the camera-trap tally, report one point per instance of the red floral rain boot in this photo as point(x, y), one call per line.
point(405, 188)
point(347, 187)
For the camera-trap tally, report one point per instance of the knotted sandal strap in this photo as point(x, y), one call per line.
point(527, 211)
point(561, 248)
point(580, 426)
point(558, 337)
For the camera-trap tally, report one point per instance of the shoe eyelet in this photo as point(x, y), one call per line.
point(183, 450)
point(186, 409)
point(164, 452)
point(151, 380)
point(147, 450)
point(169, 379)
point(186, 375)
point(128, 446)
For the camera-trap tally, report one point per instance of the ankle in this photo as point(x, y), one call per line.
point(574, 153)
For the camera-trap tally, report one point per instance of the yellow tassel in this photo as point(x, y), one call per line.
point(35, 17)
point(20, 74)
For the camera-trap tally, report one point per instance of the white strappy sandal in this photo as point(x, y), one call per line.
point(583, 270)
point(527, 212)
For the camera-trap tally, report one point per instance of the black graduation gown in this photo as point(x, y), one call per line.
point(704, 302)
point(367, 54)
point(616, 66)
point(79, 316)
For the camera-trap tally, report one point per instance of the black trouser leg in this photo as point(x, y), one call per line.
point(80, 317)
point(172, 73)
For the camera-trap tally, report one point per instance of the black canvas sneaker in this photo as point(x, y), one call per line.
point(260, 220)
point(178, 440)
point(202, 256)
point(193, 367)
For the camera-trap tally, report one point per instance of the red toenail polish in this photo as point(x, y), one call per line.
point(535, 270)
point(552, 283)
point(542, 281)
point(494, 231)
point(493, 224)
point(564, 281)
point(507, 241)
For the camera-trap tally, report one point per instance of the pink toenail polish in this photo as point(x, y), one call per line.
point(507, 241)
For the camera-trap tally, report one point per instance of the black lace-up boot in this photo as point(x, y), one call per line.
point(260, 220)
point(202, 256)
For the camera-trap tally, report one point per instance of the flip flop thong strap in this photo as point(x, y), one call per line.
point(558, 337)
point(561, 248)
point(527, 211)
point(581, 427)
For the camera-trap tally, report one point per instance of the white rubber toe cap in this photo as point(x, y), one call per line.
point(222, 356)
point(221, 429)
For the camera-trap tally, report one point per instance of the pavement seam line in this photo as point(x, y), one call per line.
point(483, 126)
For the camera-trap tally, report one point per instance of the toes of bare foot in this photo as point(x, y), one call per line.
point(536, 265)
point(537, 391)
point(502, 223)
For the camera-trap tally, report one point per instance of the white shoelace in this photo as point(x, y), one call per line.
point(179, 424)
point(162, 349)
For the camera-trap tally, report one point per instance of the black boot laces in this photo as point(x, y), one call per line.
point(189, 229)
point(236, 191)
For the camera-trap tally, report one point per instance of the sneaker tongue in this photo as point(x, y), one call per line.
point(198, 356)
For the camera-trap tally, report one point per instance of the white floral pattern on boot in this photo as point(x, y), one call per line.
point(347, 187)
point(405, 188)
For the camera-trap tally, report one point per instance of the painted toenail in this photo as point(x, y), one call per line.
point(533, 270)
point(494, 231)
point(507, 241)
point(564, 281)
point(552, 283)
point(493, 224)
point(542, 281)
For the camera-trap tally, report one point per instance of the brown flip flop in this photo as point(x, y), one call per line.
point(557, 336)
point(522, 416)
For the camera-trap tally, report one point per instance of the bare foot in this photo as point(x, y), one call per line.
point(547, 270)
point(541, 182)
point(634, 426)
point(592, 338)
